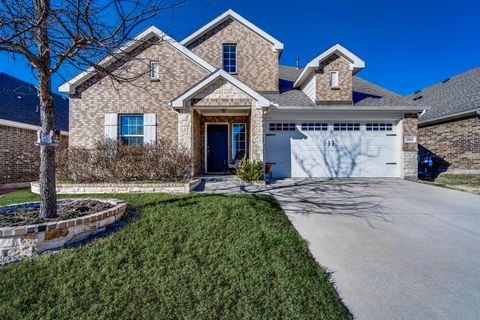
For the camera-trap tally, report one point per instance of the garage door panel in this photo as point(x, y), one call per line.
point(348, 151)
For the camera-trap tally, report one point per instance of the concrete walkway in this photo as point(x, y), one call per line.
point(395, 249)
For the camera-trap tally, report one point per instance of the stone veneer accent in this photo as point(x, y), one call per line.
point(327, 95)
point(257, 61)
point(131, 187)
point(221, 93)
point(177, 74)
point(19, 154)
point(256, 134)
point(455, 141)
point(21, 242)
point(410, 150)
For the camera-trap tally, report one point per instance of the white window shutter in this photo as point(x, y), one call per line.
point(150, 128)
point(111, 126)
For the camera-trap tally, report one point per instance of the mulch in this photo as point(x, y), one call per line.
point(66, 210)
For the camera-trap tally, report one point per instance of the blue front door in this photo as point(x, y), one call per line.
point(217, 147)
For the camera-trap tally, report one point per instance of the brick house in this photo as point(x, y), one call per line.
point(450, 130)
point(19, 122)
point(222, 94)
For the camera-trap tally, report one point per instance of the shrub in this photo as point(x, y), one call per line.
point(109, 161)
point(250, 170)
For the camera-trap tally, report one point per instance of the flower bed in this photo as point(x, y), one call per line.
point(25, 241)
point(84, 188)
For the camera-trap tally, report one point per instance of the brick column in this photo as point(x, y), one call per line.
point(410, 150)
point(256, 134)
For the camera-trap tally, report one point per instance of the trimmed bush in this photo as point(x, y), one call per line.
point(109, 161)
point(251, 170)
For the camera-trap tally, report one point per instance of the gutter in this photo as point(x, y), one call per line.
point(27, 126)
point(451, 117)
point(343, 108)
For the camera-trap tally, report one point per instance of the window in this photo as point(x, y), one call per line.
point(346, 127)
point(379, 127)
point(131, 129)
point(314, 126)
point(334, 79)
point(282, 127)
point(154, 70)
point(230, 58)
point(239, 141)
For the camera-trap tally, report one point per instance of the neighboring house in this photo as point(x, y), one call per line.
point(19, 122)
point(221, 94)
point(450, 130)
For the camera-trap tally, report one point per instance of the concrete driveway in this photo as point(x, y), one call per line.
point(395, 249)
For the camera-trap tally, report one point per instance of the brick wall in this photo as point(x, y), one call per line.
point(327, 95)
point(177, 74)
point(257, 62)
point(19, 155)
point(457, 142)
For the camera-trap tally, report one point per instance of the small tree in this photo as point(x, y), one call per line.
point(68, 32)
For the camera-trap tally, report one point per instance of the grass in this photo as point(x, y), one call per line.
point(463, 182)
point(188, 256)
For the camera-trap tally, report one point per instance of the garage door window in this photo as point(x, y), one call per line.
point(379, 127)
point(346, 127)
point(314, 126)
point(280, 126)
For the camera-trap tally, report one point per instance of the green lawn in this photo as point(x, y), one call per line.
point(188, 256)
point(463, 182)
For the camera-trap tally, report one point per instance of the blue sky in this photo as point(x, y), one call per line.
point(406, 45)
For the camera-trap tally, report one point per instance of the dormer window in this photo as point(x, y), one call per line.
point(334, 79)
point(154, 70)
point(230, 58)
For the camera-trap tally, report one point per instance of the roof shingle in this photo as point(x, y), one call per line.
point(457, 94)
point(365, 93)
point(19, 102)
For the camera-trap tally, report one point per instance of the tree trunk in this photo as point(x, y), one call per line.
point(48, 194)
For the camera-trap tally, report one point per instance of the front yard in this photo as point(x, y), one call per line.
point(463, 182)
point(188, 256)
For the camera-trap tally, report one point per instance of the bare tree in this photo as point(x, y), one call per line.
point(78, 33)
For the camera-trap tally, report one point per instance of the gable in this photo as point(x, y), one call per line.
point(220, 86)
point(224, 19)
point(221, 93)
point(142, 41)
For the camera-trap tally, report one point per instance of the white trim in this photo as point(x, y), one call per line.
point(27, 126)
point(179, 102)
point(69, 86)
point(355, 62)
point(277, 45)
point(348, 109)
point(448, 117)
point(206, 144)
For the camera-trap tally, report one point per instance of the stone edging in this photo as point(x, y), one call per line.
point(26, 241)
point(83, 188)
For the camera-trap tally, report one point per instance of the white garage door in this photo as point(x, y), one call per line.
point(337, 149)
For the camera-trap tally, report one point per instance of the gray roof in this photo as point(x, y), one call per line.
point(365, 93)
point(19, 103)
point(457, 94)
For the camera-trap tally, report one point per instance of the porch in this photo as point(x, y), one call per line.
point(220, 120)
